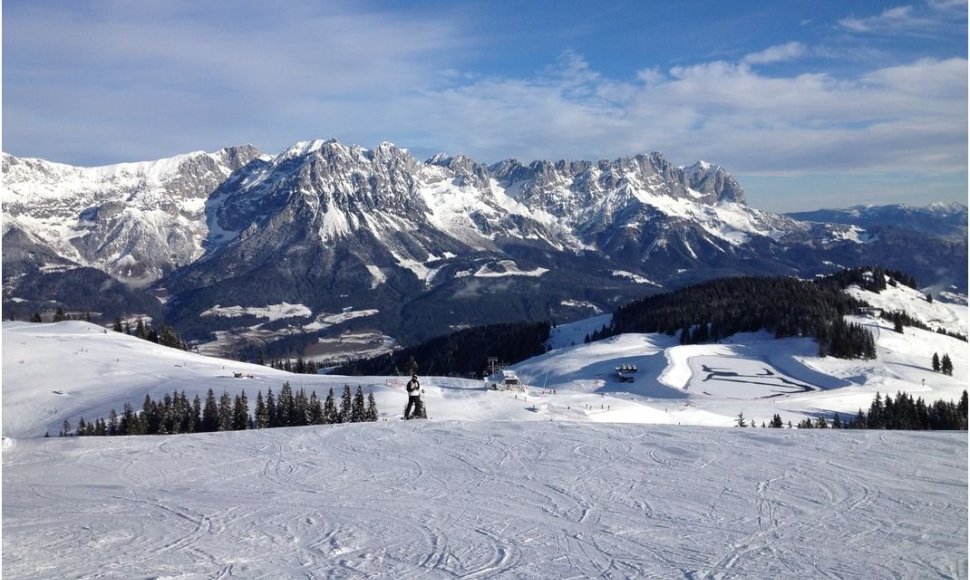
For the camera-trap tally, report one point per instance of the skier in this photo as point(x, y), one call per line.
point(414, 397)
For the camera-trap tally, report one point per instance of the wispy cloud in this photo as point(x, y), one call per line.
point(163, 80)
point(777, 53)
point(128, 72)
point(908, 19)
point(893, 118)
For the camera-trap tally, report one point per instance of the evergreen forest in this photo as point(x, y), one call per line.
point(462, 353)
point(787, 307)
point(175, 413)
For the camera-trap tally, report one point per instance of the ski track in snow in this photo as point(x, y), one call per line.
point(409, 500)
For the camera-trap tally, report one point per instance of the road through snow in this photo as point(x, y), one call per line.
point(451, 499)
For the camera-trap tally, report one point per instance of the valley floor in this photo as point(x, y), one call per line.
point(454, 499)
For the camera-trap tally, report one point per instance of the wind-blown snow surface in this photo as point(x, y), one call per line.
point(480, 499)
point(551, 482)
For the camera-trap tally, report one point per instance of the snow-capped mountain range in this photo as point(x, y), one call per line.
point(426, 245)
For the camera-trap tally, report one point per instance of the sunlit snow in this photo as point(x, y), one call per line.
point(272, 311)
point(580, 475)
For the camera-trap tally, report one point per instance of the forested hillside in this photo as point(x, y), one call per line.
point(785, 306)
point(462, 353)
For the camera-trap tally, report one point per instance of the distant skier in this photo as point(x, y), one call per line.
point(414, 398)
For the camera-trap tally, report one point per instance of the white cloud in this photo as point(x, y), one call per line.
point(161, 80)
point(777, 53)
point(895, 118)
point(908, 19)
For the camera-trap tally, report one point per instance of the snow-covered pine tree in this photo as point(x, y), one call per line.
point(946, 365)
point(225, 412)
point(286, 406)
point(346, 405)
point(371, 414)
point(240, 412)
point(262, 418)
point(330, 413)
point(210, 414)
point(357, 409)
point(272, 416)
point(315, 410)
point(301, 408)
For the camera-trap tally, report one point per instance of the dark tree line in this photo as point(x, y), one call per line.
point(900, 413)
point(902, 319)
point(841, 339)
point(301, 366)
point(905, 413)
point(165, 336)
point(717, 309)
point(176, 414)
point(871, 278)
point(462, 353)
point(58, 316)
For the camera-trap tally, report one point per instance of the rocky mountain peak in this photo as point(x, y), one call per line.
point(714, 181)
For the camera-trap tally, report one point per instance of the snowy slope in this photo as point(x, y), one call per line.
point(447, 499)
point(949, 315)
point(579, 476)
point(69, 370)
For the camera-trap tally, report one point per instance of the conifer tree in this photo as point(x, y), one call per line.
point(272, 416)
point(196, 422)
point(301, 408)
point(286, 406)
point(225, 412)
point(936, 362)
point(371, 413)
point(897, 323)
point(358, 410)
point(330, 413)
point(151, 417)
point(112, 422)
point(315, 410)
point(127, 425)
point(346, 405)
point(946, 365)
point(261, 416)
point(210, 414)
point(240, 412)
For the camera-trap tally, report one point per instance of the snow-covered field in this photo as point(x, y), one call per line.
point(581, 475)
point(453, 499)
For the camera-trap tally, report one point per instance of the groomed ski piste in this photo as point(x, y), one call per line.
point(581, 475)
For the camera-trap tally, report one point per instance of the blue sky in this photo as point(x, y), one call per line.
point(810, 104)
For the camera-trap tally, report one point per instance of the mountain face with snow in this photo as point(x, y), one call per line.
point(946, 220)
point(133, 221)
point(421, 247)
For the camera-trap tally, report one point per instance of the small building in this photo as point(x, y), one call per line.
point(504, 380)
point(626, 373)
point(869, 311)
